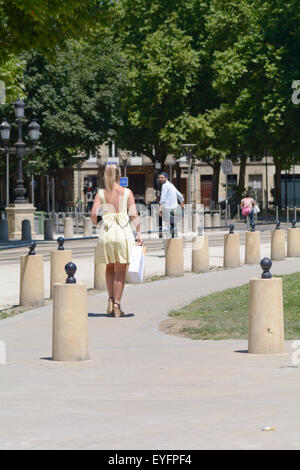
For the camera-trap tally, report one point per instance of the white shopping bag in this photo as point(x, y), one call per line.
point(137, 264)
point(256, 209)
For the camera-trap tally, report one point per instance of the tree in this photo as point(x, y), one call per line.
point(32, 24)
point(76, 98)
point(254, 45)
point(162, 70)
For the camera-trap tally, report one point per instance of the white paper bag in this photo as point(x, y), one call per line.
point(137, 263)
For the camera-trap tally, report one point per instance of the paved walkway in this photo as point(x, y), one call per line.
point(143, 389)
point(154, 266)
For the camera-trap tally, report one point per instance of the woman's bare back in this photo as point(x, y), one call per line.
point(114, 198)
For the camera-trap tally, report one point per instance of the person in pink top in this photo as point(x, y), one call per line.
point(247, 206)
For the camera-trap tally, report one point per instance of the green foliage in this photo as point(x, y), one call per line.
point(40, 25)
point(163, 70)
point(11, 74)
point(75, 99)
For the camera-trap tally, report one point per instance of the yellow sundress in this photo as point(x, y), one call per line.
point(115, 234)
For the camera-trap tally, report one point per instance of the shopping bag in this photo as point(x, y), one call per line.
point(246, 210)
point(137, 264)
point(256, 209)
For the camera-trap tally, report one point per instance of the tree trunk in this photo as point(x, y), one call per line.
point(242, 174)
point(278, 184)
point(215, 183)
point(178, 175)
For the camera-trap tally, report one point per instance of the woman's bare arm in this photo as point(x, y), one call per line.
point(95, 209)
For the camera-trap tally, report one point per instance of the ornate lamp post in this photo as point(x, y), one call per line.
point(19, 149)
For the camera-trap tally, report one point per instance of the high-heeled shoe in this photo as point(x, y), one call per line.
point(117, 310)
point(110, 306)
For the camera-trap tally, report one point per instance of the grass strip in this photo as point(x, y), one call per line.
point(224, 315)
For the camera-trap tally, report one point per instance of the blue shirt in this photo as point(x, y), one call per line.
point(170, 195)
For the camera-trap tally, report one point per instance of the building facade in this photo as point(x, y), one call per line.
point(75, 187)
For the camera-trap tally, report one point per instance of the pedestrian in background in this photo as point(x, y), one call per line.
point(169, 198)
point(247, 206)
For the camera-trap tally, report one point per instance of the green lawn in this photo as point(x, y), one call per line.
point(224, 315)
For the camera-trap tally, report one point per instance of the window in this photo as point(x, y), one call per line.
point(255, 183)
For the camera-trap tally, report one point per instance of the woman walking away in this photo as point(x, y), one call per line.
point(247, 205)
point(116, 237)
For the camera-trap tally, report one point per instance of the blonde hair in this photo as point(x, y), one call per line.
point(112, 175)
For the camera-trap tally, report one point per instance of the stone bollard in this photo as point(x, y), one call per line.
point(278, 243)
point(87, 227)
point(293, 241)
point(26, 230)
point(3, 230)
point(196, 222)
point(100, 276)
point(70, 319)
point(68, 228)
point(48, 229)
point(231, 249)
point(207, 220)
point(32, 279)
point(266, 329)
point(216, 221)
point(252, 248)
point(99, 267)
point(174, 257)
point(200, 254)
point(59, 259)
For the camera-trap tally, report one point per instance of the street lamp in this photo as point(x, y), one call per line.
point(19, 148)
point(189, 155)
point(125, 157)
point(32, 163)
point(5, 135)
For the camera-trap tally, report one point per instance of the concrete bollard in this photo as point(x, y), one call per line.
point(99, 268)
point(174, 257)
point(32, 279)
point(59, 259)
point(278, 243)
point(26, 230)
point(231, 249)
point(48, 229)
point(87, 227)
point(200, 254)
point(252, 248)
point(216, 221)
point(266, 328)
point(196, 222)
point(3, 230)
point(207, 220)
point(293, 242)
point(70, 320)
point(68, 227)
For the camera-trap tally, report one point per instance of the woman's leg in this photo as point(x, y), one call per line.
point(119, 281)
point(110, 276)
point(252, 221)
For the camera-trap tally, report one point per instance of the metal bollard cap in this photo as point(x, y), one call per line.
point(60, 242)
point(31, 249)
point(70, 269)
point(266, 265)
